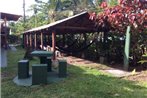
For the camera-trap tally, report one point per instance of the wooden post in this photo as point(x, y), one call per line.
point(24, 40)
point(30, 40)
point(127, 48)
point(54, 43)
point(41, 40)
point(5, 21)
point(35, 40)
point(45, 39)
point(27, 38)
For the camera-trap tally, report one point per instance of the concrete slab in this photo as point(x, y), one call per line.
point(52, 78)
point(3, 58)
point(23, 82)
point(117, 72)
point(12, 48)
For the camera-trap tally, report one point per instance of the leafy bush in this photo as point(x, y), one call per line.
point(13, 39)
point(116, 19)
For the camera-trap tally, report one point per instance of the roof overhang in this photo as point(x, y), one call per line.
point(79, 23)
point(9, 17)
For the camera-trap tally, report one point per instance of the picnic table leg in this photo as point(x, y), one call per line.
point(48, 61)
point(49, 64)
point(43, 60)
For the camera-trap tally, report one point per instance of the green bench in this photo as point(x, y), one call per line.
point(39, 74)
point(62, 70)
point(23, 69)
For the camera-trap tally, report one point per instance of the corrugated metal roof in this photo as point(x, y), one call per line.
point(55, 23)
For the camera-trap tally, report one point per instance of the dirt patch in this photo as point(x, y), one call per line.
point(117, 72)
point(140, 76)
point(86, 63)
point(118, 69)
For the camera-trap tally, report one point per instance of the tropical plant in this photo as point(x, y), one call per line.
point(116, 19)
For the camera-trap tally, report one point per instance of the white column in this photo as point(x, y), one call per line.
point(3, 58)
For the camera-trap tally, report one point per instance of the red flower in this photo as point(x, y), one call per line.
point(92, 16)
point(103, 5)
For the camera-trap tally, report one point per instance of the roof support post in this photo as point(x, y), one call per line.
point(54, 43)
point(41, 40)
point(24, 40)
point(127, 48)
point(27, 39)
point(35, 40)
point(45, 39)
point(30, 40)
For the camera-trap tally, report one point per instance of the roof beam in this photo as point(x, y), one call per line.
point(75, 28)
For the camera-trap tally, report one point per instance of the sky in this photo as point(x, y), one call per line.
point(15, 6)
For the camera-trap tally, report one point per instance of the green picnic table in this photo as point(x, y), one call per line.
point(42, 55)
point(45, 58)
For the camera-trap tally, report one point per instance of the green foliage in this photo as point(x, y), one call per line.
point(113, 2)
point(139, 47)
point(13, 39)
point(17, 27)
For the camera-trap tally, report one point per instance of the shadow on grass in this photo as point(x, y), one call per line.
point(93, 83)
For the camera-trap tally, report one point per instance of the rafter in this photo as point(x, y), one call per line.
point(75, 28)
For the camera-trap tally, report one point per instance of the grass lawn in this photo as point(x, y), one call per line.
point(81, 83)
